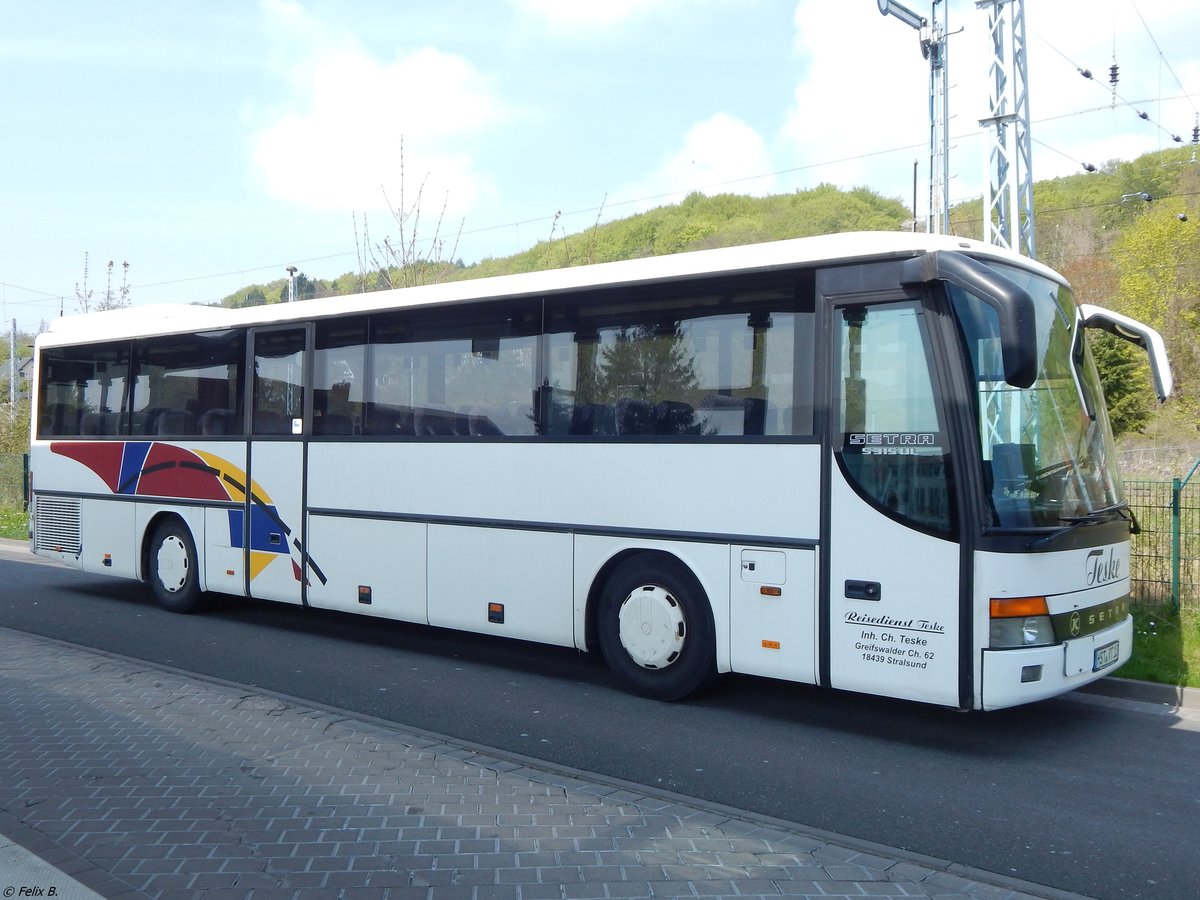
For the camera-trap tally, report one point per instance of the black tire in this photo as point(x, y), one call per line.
point(172, 568)
point(664, 645)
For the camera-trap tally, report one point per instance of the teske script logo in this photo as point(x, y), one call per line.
point(1102, 567)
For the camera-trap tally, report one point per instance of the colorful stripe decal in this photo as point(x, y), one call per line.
point(155, 469)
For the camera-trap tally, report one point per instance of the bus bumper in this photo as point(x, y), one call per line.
point(1013, 677)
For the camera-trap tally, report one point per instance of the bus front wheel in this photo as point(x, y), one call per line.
point(173, 568)
point(656, 629)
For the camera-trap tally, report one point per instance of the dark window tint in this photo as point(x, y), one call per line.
point(279, 382)
point(340, 377)
point(188, 385)
point(888, 428)
point(725, 357)
point(469, 371)
point(84, 390)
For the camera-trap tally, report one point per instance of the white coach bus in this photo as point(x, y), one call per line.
point(873, 462)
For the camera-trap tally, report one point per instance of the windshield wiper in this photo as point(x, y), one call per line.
point(1101, 515)
point(1095, 517)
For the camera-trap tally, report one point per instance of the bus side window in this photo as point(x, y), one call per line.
point(888, 432)
point(187, 385)
point(84, 390)
point(278, 381)
point(726, 357)
point(339, 377)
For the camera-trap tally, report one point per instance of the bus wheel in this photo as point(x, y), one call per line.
point(656, 629)
point(173, 575)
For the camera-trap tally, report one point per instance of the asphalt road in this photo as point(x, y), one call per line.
point(1100, 799)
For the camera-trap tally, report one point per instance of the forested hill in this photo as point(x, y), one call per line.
point(699, 222)
point(1127, 237)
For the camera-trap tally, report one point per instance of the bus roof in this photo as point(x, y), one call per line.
point(169, 318)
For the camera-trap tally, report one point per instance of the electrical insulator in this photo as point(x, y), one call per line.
point(1196, 135)
point(1112, 74)
point(1086, 73)
point(1088, 167)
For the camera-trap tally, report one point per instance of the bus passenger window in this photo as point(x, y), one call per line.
point(339, 377)
point(888, 432)
point(726, 357)
point(278, 381)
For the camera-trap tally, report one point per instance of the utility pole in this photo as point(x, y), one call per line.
point(1008, 201)
point(12, 372)
point(932, 32)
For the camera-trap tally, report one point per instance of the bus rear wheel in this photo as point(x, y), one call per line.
point(656, 629)
point(174, 578)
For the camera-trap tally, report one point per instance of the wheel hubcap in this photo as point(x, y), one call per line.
point(172, 563)
point(652, 627)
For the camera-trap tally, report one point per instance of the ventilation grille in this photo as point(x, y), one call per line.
point(58, 525)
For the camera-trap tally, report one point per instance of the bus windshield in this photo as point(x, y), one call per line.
point(1048, 452)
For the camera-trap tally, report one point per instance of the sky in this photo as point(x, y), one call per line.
point(211, 145)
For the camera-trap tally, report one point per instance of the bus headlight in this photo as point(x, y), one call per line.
point(1020, 622)
point(1032, 631)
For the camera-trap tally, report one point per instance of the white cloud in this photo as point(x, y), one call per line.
point(582, 14)
point(860, 112)
point(720, 154)
point(354, 120)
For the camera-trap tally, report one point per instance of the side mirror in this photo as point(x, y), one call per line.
point(1013, 305)
point(1136, 333)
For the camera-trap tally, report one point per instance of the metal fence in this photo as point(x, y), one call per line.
point(1164, 558)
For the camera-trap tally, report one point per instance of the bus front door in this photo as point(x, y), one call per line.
point(274, 538)
point(890, 618)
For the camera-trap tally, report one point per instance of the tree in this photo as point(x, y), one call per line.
point(407, 259)
point(1125, 378)
point(643, 362)
point(110, 299)
point(1158, 264)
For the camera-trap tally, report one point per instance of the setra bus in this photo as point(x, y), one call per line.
point(873, 462)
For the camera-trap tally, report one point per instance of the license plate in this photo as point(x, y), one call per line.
point(1105, 656)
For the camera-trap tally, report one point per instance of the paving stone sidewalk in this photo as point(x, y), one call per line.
point(138, 781)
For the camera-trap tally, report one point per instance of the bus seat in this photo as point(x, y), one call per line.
point(270, 422)
point(635, 416)
point(433, 421)
point(176, 422)
point(722, 414)
point(481, 421)
point(1011, 465)
point(64, 419)
point(675, 417)
point(145, 421)
point(92, 423)
point(755, 415)
point(333, 424)
point(389, 421)
point(593, 418)
point(218, 422)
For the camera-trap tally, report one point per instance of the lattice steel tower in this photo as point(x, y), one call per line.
point(1008, 197)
